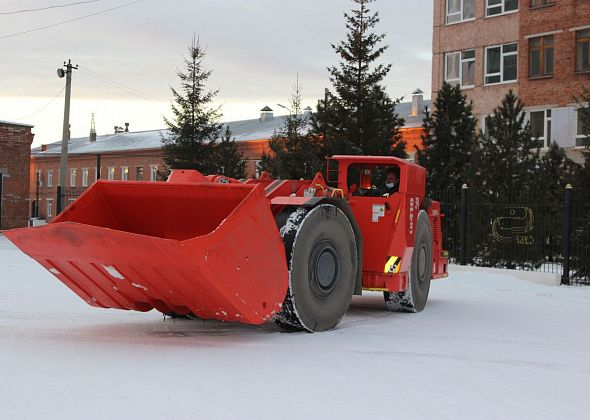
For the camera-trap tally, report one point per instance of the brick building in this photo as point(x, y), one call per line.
point(138, 155)
point(537, 48)
point(15, 154)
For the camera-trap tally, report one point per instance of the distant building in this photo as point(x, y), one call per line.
point(15, 154)
point(537, 48)
point(126, 155)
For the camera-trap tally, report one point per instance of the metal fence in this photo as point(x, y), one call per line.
point(516, 231)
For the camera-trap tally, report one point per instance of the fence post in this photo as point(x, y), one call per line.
point(59, 201)
point(463, 226)
point(567, 233)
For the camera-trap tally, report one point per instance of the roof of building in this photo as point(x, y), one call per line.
point(14, 123)
point(242, 130)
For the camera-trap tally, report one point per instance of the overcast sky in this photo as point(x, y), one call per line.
point(256, 48)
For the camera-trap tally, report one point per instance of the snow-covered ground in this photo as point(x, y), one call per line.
point(487, 346)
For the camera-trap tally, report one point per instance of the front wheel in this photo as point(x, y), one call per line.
point(322, 258)
point(414, 298)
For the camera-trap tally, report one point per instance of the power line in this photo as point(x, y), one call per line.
point(58, 6)
point(42, 108)
point(70, 20)
point(138, 93)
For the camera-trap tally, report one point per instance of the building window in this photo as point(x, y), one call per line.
point(460, 68)
point(501, 64)
point(540, 3)
point(73, 177)
point(257, 168)
point(540, 124)
point(111, 174)
point(125, 173)
point(153, 172)
point(583, 50)
point(49, 207)
point(139, 173)
point(50, 177)
point(85, 177)
point(541, 56)
point(498, 7)
point(459, 10)
point(38, 179)
point(582, 130)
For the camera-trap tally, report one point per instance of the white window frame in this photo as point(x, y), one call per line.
point(503, 7)
point(49, 207)
point(257, 171)
point(462, 60)
point(39, 177)
point(85, 176)
point(50, 177)
point(110, 173)
point(579, 136)
point(124, 173)
point(460, 13)
point(502, 56)
point(137, 171)
point(73, 177)
point(546, 137)
point(153, 172)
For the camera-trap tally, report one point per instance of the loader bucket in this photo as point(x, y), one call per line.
point(212, 250)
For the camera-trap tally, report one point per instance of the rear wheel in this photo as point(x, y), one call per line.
point(322, 260)
point(414, 299)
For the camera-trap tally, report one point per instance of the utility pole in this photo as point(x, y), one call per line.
point(66, 131)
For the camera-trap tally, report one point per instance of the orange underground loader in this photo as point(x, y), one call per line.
point(212, 247)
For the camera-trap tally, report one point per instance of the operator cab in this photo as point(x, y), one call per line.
point(370, 180)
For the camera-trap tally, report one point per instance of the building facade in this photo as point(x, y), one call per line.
point(537, 48)
point(127, 155)
point(15, 154)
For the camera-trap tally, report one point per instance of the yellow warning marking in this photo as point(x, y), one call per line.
point(397, 216)
point(392, 265)
point(375, 289)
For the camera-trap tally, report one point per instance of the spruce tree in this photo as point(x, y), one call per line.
point(556, 170)
point(508, 184)
point(581, 197)
point(449, 142)
point(226, 158)
point(359, 117)
point(195, 126)
point(296, 153)
point(508, 156)
point(582, 182)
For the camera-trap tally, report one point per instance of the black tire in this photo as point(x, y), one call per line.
point(414, 299)
point(322, 259)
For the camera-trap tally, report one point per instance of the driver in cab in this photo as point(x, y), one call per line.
point(391, 183)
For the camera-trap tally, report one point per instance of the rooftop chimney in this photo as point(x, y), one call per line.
point(126, 127)
point(43, 147)
point(417, 103)
point(266, 114)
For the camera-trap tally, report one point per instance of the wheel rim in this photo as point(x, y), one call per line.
point(323, 268)
point(422, 253)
